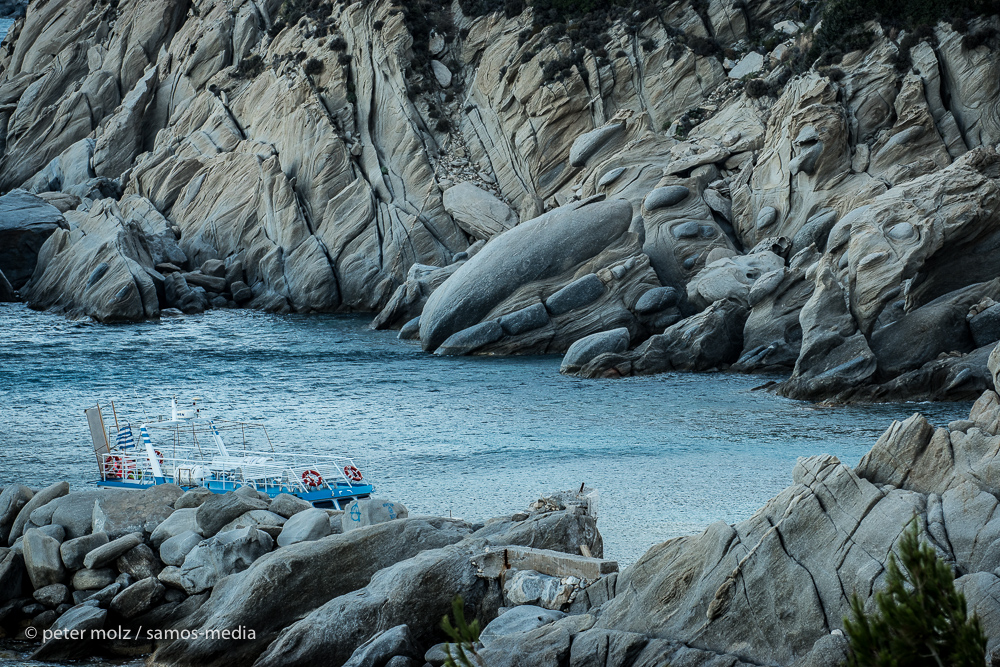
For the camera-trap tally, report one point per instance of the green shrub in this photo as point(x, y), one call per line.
point(312, 66)
point(756, 88)
point(462, 652)
point(921, 618)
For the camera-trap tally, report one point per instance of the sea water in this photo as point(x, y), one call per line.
point(471, 437)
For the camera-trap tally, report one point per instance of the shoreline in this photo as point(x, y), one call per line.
point(551, 593)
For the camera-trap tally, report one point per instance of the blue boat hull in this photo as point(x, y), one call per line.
point(325, 498)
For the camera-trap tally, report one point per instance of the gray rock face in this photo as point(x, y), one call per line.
point(139, 562)
point(13, 498)
point(44, 496)
point(294, 580)
point(584, 350)
point(75, 550)
point(394, 642)
point(137, 598)
point(26, 221)
point(394, 597)
point(222, 555)
point(371, 511)
point(305, 526)
point(174, 550)
point(139, 513)
point(924, 333)
point(710, 339)
point(537, 249)
point(180, 521)
point(218, 510)
point(41, 559)
point(63, 646)
point(288, 505)
point(985, 326)
point(587, 145)
point(477, 212)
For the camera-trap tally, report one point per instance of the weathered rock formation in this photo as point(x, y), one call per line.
point(324, 156)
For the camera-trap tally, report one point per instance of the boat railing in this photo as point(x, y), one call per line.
point(298, 472)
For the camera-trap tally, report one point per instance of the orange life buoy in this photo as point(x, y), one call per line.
point(353, 473)
point(312, 478)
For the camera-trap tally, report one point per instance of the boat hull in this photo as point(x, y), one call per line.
point(326, 498)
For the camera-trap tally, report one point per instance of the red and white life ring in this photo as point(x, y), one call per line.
point(113, 466)
point(312, 478)
point(159, 456)
point(353, 473)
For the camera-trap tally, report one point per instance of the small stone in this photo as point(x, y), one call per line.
point(441, 73)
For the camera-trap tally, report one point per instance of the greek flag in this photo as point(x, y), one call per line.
point(124, 440)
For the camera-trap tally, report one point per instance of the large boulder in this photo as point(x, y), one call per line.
point(180, 521)
point(712, 339)
point(13, 498)
point(75, 550)
point(101, 269)
point(136, 512)
point(305, 526)
point(537, 249)
point(222, 555)
point(41, 559)
point(70, 634)
point(477, 212)
point(419, 591)
point(39, 499)
point(370, 511)
point(218, 510)
point(26, 221)
point(584, 350)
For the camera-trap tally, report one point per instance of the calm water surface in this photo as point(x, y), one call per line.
point(474, 437)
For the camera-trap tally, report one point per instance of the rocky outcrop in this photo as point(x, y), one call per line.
point(26, 221)
point(349, 157)
point(542, 285)
point(793, 566)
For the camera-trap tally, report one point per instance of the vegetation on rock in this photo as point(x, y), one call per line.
point(921, 619)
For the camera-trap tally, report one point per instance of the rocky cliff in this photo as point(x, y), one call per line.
point(726, 183)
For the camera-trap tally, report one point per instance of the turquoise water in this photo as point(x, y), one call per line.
point(473, 437)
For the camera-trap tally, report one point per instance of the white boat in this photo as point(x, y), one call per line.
point(189, 450)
